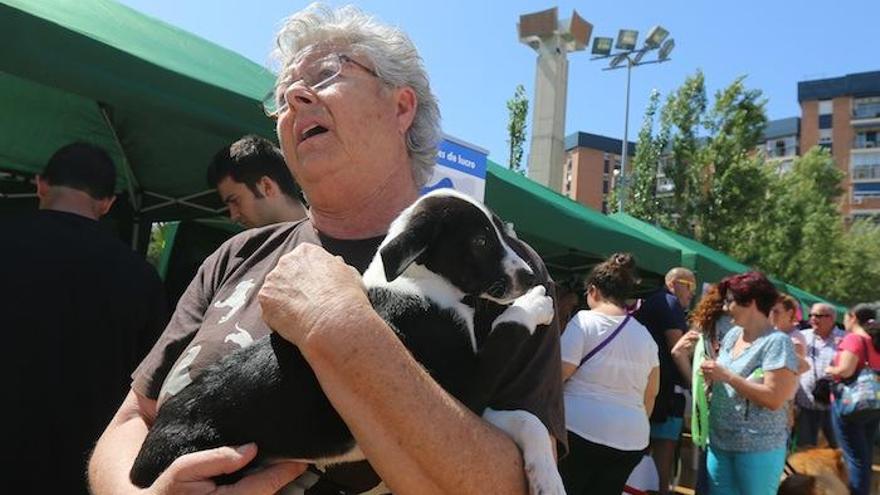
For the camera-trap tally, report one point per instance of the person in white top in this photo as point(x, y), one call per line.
point(610, 370)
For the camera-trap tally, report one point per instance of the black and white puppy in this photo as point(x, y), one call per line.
point(440, 252)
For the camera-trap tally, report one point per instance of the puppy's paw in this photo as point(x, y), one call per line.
point(537, 304)
point(543, 477)
point(530, 310)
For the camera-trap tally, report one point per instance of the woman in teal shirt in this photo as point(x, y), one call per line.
point(753, 377)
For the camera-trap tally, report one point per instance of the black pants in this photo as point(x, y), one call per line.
point(595, 469)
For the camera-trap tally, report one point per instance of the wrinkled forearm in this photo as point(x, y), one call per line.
point(115, 452)
point(418, 438)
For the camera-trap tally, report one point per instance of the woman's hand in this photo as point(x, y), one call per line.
point(715, 372)
point(685, 345)
point(307, 290)
point(192, 474)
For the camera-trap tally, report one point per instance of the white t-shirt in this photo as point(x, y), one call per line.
point(604, 398)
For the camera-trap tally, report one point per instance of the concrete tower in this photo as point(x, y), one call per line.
point(552, 40)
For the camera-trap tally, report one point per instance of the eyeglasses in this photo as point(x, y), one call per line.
point(315, 76)
point(819, 315)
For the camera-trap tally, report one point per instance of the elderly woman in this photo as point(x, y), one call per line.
point(611, 372)
point(358, 126)
point(859, 348)
point(752, 378)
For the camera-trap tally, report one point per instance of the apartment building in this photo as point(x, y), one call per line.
point(780, 142)
point(592, 163)
point(843, 115)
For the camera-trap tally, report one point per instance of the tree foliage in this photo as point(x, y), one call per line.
point(728, 196)
point(518, 109)
point(642, 201)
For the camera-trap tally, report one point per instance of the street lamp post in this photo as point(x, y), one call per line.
point(627, 52)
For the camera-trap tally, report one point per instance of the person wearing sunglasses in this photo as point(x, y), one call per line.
point(813, 396)
point(752, 378)
point(663, 314)
point(358, 127)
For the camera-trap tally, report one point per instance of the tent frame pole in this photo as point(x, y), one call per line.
point(130, 180)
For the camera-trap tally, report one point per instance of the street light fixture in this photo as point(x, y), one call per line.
point(656, 36)
point(553, 39)
point(602, 46)
point(627, 39)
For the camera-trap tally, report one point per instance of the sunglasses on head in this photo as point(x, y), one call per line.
point(687, 283)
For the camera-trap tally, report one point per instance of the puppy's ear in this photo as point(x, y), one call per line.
point(404, 249)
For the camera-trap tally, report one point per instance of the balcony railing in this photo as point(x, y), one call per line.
point(871, 111)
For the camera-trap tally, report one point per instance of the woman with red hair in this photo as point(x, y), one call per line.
point(753, 376)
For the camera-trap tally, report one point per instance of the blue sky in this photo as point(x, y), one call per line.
point(475, 60)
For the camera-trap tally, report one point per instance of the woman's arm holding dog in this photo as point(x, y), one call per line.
point(417, 437)
point(190, 474)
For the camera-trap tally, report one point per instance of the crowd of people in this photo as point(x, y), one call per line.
point(743, 362)
point(357, 126)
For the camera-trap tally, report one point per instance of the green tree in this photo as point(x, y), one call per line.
point(858, 280)
point(518, 108)
point(732, 178)
point(727, 196)
point(788, 231)
point(158, 236)
point(681, 116)
point(802, 238)
point(641, 201)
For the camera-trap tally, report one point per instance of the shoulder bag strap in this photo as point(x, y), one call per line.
point(865, 343)
point(607, 340)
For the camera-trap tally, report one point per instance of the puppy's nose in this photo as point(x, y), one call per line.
point(525, 278)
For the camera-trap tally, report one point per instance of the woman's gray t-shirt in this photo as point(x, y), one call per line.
point(739, 425)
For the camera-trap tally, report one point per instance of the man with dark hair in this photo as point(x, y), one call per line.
point(254, 182)
point(79, 310)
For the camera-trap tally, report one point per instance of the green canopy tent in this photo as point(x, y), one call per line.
point(160, 100)
point(710, 265)
point(569, 236)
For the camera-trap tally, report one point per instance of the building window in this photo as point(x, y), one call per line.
point(605, 186)
point(825, 139)
point(607, 164)
point(825, 121)
point(865, 166)
point(867, 139)
point(866, 108)
point(604, 206)
point(826, 107)
point(865, 190)
point(874, 217)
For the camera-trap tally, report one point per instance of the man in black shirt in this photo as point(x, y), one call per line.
point(79, 310)
point(663, 314)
